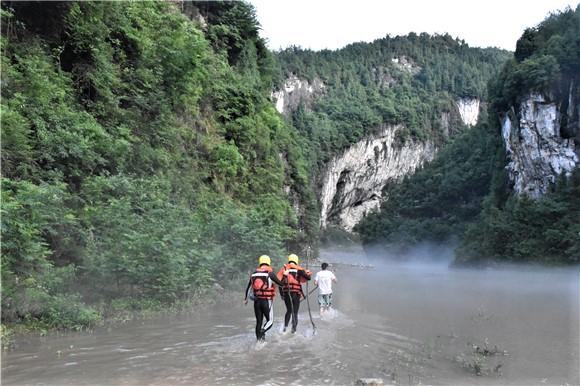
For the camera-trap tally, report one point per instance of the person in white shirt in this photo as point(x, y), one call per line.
point(324, 280)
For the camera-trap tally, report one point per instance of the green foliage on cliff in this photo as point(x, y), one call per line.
point(464, 192)
point(437, 202)
point(517, 229)
point(410, 80)
point(547, 59)
point(141, 157)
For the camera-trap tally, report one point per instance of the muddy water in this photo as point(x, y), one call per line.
point(408, 324)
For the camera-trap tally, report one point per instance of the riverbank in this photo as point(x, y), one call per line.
point(119, 313)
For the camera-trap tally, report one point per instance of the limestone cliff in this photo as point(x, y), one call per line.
point(294, 92)
point(469, 110)
point(541, 137)
point(353, 181)
point(406, 64)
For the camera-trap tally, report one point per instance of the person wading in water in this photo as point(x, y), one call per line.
point(324, 280)
point(262, 286)
point(293, 276)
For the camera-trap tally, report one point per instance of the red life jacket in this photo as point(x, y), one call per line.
point(262, 285)
point(293, 282)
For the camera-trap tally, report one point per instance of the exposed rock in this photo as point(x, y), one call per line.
point(189, 9)
point(296, 91)
point(469, 110)
point(450, 122)
point(405, 64)
point(537, 152)
point(353, 181)
point(445, 123)
point(570, 122)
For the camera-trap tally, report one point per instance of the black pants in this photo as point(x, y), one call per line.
point(292, 301)
point(263, 310)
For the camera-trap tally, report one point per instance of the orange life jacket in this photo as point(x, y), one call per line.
point(262, 285)
point(293, 282)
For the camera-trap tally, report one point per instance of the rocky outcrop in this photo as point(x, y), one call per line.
point(353, 181)
point(190, 9)
point(469, 110)
point(295, 92)
point(406, 64)
point(538, 146)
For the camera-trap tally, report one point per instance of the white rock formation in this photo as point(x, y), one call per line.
point(469, 110)
point(296, 91)
point(353, 181)
point(537, 153)
point(406, 64)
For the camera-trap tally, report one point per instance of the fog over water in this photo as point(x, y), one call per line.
point(415, 322)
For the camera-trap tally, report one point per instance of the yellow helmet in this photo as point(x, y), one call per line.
point(264, 259)
point(293, 258)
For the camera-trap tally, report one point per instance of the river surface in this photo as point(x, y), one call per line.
point(416, 324)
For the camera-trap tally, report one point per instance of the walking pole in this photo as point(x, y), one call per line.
point(307, 297)
point(310, 293)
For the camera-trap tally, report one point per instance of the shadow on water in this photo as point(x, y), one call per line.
point(412, 322)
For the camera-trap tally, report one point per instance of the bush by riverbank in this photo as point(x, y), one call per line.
point(118, 312)
point(142, 159)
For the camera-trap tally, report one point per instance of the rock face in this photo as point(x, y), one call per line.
point(469, 110)
point(353, 181)
point(538, 146)
point(294, 92)
point(406, 64)
point(189, 9)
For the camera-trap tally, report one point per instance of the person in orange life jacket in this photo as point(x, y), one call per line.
point(262, 285)
point(293, 277)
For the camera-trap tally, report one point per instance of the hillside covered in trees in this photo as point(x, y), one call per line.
point(409, 80)
point(142, 159)
point(465, 194)
point(516, 228)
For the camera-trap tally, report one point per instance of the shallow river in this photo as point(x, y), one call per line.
point(408, 324)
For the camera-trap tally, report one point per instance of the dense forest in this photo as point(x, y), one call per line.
point(142, 159)
point(516, 228)
point(409, 80)
point(464, 195)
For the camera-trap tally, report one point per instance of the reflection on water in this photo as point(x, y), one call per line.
point(409, 324)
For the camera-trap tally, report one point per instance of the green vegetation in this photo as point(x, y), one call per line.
point(409, 80)
point(463, 194)
point(437, 202)
point(142, 159)
point(543, 231)
point(547, 59)
point(517, 229)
